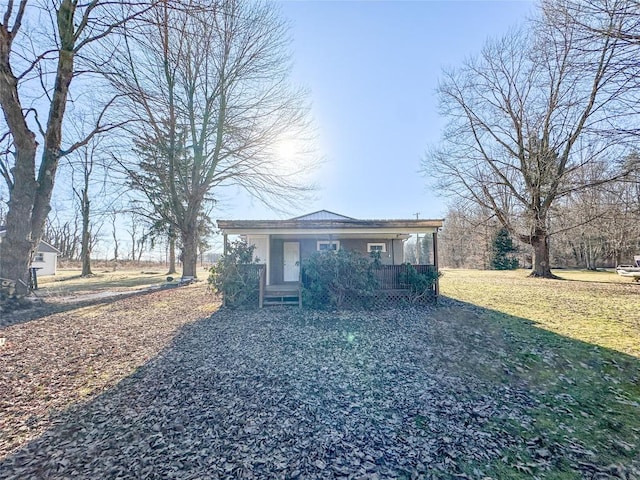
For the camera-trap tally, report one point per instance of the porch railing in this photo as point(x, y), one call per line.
point(253, 279)
point(262, 285)
point(390, 276)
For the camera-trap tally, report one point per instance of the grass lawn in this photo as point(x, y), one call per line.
point(575, 344)
point(69, 282)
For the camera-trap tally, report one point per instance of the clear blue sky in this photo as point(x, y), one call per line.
point(372, 69)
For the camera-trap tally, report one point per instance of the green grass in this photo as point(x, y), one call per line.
point(600, 308)
point(574, 345)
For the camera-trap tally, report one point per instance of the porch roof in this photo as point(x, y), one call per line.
point(316, 223)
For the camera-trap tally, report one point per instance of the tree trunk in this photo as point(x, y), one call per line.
point(29, 200)
point(115, 243)
point(541, 264)
point(86, 235)
point(18, 245)
point(172, 255)
point(189, 254)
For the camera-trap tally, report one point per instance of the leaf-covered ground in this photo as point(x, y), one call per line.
point(59, 353)
point(280, 394)
point(455, 391)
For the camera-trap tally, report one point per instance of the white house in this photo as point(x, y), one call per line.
point(45, 258)
point(283, 245)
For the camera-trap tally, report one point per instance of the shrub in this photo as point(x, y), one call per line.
point(330, 279)
point(235, 275)
point(502, 250)
point(420, 284)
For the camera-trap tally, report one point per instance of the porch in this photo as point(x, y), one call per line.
point(390, 284)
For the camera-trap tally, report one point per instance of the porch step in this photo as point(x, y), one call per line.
point(284, 294)
point(287, 299)
point(274, 304)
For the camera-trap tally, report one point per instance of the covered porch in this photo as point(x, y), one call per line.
point(282, 246)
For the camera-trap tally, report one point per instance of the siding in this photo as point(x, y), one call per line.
point(308, 246)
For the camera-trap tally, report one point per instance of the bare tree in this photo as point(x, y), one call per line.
point(86, 163)
point(62, 234)
point(610, 231)
point(116, 241)
point(524, 115)
point(34, 122)
point(465, 241)
point(210, 88)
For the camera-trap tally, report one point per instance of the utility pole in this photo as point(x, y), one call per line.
point(417, 214)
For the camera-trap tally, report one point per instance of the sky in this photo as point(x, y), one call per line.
point(372, 68)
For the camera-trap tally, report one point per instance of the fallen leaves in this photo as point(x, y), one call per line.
point(274, 393)
point(277, 393)
point(67, 357)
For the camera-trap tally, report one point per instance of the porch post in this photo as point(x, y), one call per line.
point(435, 260)
point(224, 251)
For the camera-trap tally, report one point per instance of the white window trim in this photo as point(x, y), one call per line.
point(383, 245)
point(38, 257)
point(328, 242)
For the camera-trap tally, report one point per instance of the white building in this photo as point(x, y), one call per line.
point(45, 258)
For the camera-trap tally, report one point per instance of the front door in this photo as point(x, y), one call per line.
point(291, 261)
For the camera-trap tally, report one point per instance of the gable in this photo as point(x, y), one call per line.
point(43, 247)
point(322, 215)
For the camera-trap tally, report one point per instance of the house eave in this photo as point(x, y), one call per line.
point(326, 227)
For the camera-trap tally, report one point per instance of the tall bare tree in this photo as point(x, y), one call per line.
point(88, 164)
point(209, 85)
point(45, 59)
point(532, 108)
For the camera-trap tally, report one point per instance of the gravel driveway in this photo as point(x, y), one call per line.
point(284, 393)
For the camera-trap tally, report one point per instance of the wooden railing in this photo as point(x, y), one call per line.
point(262, 286)
point(253, 276)
point(389, 276)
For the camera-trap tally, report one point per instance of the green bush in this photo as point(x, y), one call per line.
point(331, 278)
point(236, 275)
point(502, 250)
point(420, 284)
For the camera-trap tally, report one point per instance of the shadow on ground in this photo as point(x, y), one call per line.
point(43, 306)
point(455, 391)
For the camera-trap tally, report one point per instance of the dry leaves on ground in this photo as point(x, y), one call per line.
point(63, 358)
point(281, 393)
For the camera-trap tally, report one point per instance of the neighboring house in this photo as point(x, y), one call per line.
point(45, 258)
point(284, 244)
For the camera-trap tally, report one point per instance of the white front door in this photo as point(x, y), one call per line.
point(291, 261)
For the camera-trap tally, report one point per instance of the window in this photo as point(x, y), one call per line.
point(376, 247)
point(328, 245)
point(38, 257)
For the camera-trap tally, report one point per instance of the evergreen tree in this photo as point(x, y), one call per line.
point(502, 248)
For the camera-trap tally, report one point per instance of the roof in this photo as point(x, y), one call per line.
point(43, 247)
point(322, 222)
point(322, 215)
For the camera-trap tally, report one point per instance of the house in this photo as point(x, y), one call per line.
point(282, 245)
point(45, 260)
